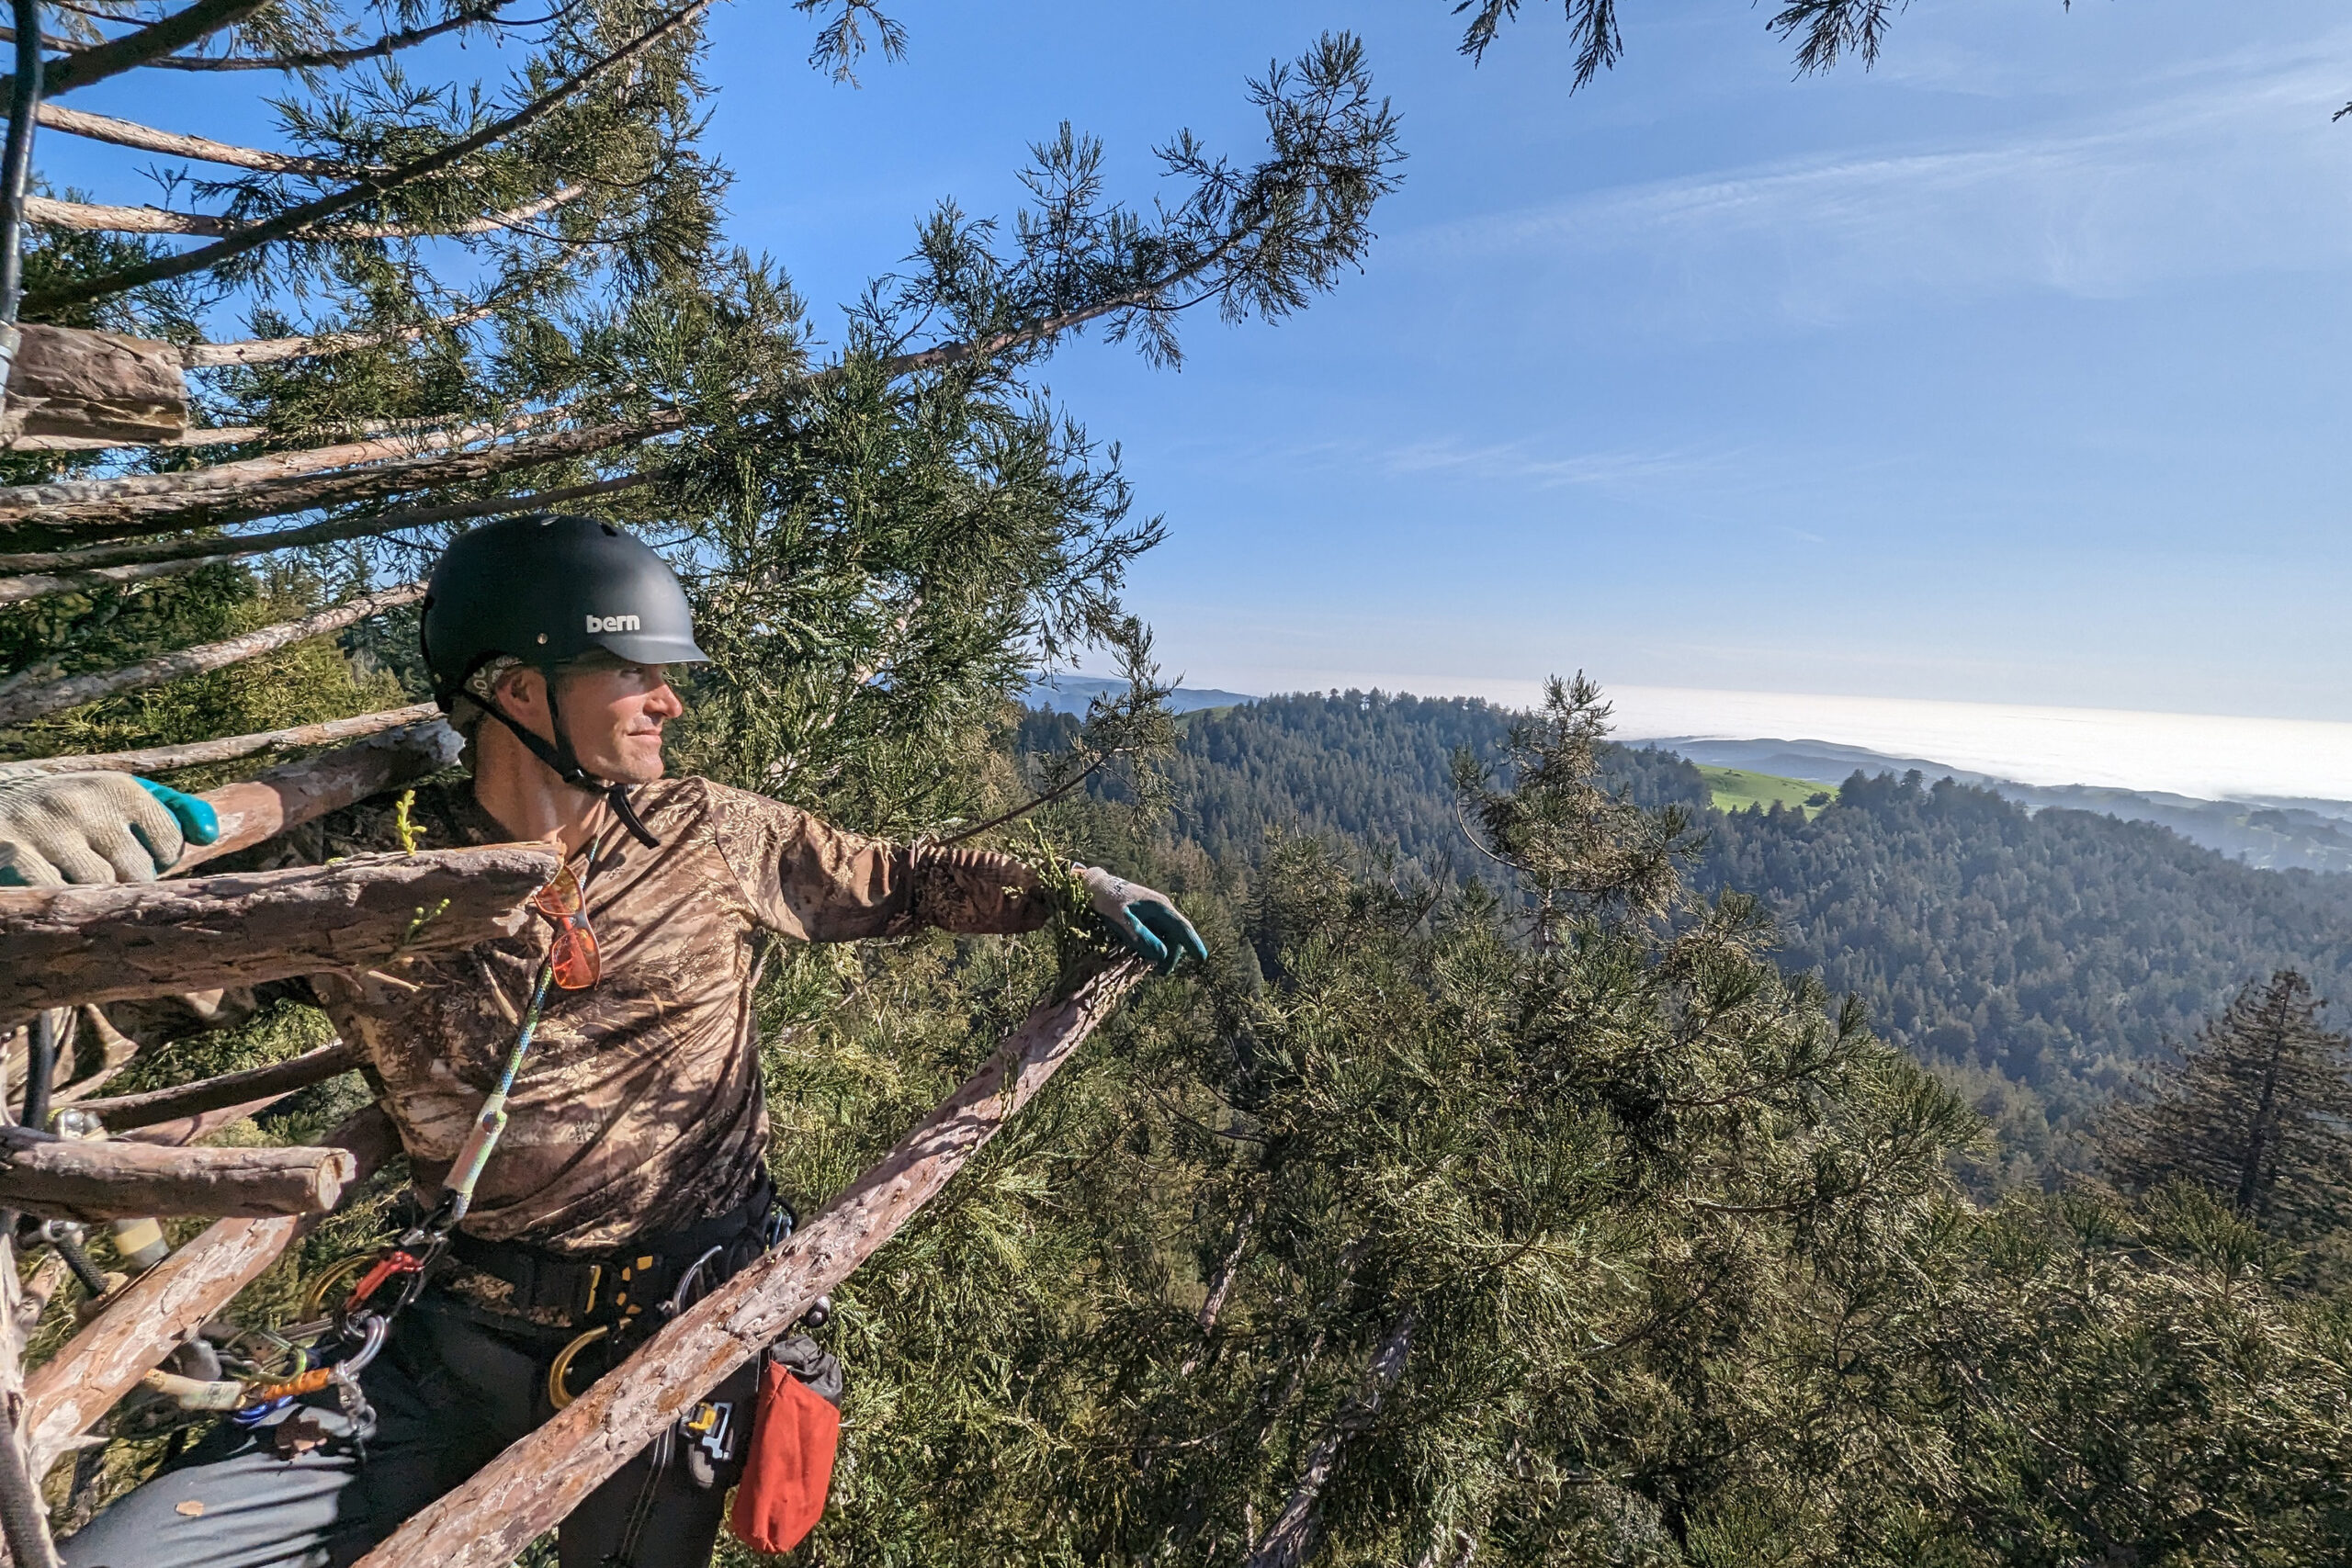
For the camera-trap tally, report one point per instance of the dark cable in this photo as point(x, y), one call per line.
point(17, 160)
point(39, 1071)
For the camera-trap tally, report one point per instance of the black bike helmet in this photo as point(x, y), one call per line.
point(546, 589)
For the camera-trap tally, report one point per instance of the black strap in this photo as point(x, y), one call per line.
point(543, 1280)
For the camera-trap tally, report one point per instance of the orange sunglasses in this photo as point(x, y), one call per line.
point(573, 954)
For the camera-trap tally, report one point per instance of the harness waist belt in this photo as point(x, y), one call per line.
point(637, 1275)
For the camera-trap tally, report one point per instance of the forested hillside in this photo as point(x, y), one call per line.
point(2057, 952)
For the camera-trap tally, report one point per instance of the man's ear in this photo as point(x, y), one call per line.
point(522, 692)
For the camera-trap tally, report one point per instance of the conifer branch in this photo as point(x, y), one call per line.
point(204, 754)
point(213, 435)
point(20, 702)
point(335, 59)
point(1292, 1540)
point(117, 565)
point(99, 217)
point(297, 219)
point(143, 46)
point(147, 138)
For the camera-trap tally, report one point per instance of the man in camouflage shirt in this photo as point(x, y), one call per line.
point(637, 1127)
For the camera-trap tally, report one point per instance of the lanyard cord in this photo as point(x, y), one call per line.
point(490, 1121)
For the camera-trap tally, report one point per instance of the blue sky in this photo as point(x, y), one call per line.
point(2014, 371)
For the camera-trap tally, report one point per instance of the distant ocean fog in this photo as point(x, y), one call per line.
point(2206, 755)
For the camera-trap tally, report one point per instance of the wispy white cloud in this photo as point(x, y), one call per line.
point(1518, 462)
point(2236, 170)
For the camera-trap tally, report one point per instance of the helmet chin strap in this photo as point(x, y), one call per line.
point(565, 764)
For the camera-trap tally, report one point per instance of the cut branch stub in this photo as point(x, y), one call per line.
point(68, 1178)
point(60, 946)
point(67, 382)
point(540, 1479)
point(156, 1311)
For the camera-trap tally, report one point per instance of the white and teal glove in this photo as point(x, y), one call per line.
point(1146, 924)
point(95, 828)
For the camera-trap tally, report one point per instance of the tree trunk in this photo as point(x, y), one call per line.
point(156, 1311)
point(72, 1178)
point(92, 217)
point(63, 946)
point(540, 1479)
point(269, 350)
point(71, 691)
point(204, 754)
point(90, 385)
point(125, 1112)
point(1297, 1533)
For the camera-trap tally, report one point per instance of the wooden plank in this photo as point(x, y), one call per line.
point(541, 1478)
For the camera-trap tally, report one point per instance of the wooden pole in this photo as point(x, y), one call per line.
point(541, 1478)
point(71, 1179)
point(37, 700)
point(125, 1112)
point(70, 1391)
point(63, 946)
point(204, 754)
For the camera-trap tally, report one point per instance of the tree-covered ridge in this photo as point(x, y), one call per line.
point(2058, 950)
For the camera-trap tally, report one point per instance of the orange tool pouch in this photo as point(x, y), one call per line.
point(790, 1468)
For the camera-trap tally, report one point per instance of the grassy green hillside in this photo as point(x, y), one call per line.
point(1736, 789)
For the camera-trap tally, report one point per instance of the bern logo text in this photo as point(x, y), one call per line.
point(612, 622)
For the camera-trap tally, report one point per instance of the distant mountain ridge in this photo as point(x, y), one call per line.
point(1071, 694)
point(2275, 835)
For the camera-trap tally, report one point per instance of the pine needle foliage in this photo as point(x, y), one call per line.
point(2257, 1111)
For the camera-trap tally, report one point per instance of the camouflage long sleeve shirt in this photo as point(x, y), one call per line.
point(638, 1109)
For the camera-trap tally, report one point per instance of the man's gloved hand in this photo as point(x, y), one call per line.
point(1145, 922)
point(95, 828)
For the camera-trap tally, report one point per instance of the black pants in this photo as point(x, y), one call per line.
point(450, 1393)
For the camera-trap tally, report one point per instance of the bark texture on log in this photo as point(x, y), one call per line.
point(71, 691)
point(543, 1477)
point(100, 385)
point(71, 1179)
point(124, 1111)
point(59, 946)
point(203, 753)
point(287, 796)
point(65, 1394)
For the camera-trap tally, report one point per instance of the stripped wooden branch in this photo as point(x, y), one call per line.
point(215, 435)
point(302, 792)
point(256, 498)
point(23, 1520)
point(91, 217)
point(70, 498)
point(143, 46)
point(204, 754)
point(72, 1178)
point(103, 943)
point(125, 1112)
point(156, 1312)
point(170, 558)
point(295, 220)
point(147, 138)
point(73, 691)
point(540, 1479)
point(267, 350)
